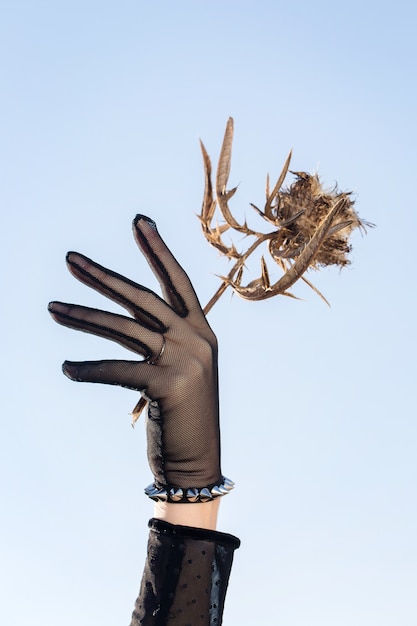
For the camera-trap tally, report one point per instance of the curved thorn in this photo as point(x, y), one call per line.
point(222, 177)
point(209, 205)
point(223, 167)
point(265, 274)
point(314, 288)
point(278, 185)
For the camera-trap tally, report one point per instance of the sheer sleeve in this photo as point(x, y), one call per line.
point(185, 577)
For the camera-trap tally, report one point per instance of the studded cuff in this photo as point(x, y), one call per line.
point(189, 496)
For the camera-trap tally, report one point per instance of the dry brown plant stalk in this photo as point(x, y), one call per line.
point(311, 228)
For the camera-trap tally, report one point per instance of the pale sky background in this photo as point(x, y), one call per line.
point(102, 105)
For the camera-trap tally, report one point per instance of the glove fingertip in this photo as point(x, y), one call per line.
point(144, 218)
point(71, 371)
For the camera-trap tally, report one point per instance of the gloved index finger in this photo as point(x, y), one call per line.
point(175, 284)
point(145, 305)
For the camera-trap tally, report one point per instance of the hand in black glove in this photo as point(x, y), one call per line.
point(178, 374)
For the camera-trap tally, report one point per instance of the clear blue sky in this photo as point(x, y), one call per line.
point(101, 108)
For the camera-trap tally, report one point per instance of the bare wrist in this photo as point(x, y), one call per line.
point(197, 515)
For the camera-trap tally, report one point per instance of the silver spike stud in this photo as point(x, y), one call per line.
point(192, 495)
point(205, 495)
point(175, 494)
point(162, 495)
point(216, 492)
point(158, 495)
point(229, 484)
point(153, 494)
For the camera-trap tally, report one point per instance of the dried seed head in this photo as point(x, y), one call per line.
point(311, 227)
point(298, 209)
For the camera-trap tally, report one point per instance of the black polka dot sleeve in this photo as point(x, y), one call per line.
point(186, 576)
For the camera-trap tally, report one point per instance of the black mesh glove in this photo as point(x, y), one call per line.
point(178, 371)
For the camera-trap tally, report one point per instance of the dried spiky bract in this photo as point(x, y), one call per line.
point(311, 228)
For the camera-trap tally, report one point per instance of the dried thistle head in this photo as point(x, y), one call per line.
point(301, 207)
point(311, 227)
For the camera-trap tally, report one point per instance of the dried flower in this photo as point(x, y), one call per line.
point(311, 228)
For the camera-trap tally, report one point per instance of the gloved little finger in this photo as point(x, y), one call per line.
point(128, 374)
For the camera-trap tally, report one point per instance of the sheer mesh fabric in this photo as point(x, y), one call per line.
point(185, 577)
point(176, 366)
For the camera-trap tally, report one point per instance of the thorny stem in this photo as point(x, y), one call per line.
point(215, 297)
point(241, 261)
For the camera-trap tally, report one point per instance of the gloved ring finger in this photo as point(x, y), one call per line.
point(154, 358)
